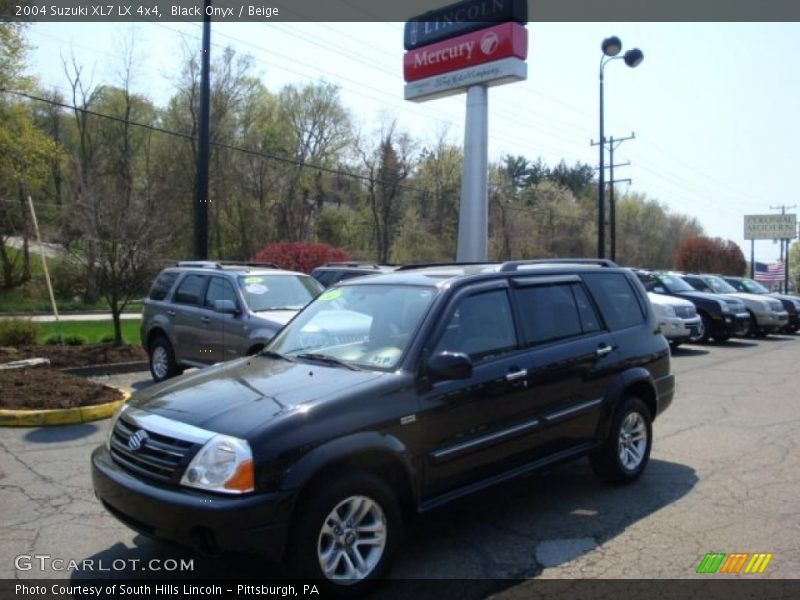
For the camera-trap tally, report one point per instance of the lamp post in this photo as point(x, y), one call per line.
point(611, 47)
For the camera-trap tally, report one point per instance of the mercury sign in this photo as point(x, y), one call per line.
point(460, 18)
point(770, 227)
point(501, 41)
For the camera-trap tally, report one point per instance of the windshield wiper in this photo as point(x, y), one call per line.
point(327, 359)
point(273, 354)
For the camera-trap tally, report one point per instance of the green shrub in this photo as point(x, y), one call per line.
point(18, 332)
point(52, 339)
point(74, 340)
point(107, 338)
point(68, 277)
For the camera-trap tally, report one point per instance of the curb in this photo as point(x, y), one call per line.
point(107, 369)
point(61, 416)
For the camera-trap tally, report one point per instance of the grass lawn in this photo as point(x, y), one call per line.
point(91, 331)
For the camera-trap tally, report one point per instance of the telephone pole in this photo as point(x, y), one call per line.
point(201, 177)
point(612, 144)
point(784, 259)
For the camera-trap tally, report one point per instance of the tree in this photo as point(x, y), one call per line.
point(710, 255)
point(794, 265)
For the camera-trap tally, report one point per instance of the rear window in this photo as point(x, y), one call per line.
point(616, 298)
point(162, 285)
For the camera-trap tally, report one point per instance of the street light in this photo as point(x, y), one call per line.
point(611, 48)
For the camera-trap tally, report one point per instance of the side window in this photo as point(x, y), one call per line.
point(162, 285)
point(190, 290)
point(220, 289)
point(481, 326)
point(616, 299)
point(326, 278)
point(548, 313)
point(589, 321)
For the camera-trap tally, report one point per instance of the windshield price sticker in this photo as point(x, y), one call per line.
point(256, 289)
point(330, 295)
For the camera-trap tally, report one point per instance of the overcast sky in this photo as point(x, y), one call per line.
point(714, 106)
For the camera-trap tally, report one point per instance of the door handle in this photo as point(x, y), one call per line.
point(603, 350)
point(171, 313)
point(517, 375)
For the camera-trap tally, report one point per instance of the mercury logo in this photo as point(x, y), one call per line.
point(137, 440)
point(489, 43)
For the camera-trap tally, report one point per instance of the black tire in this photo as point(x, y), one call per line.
point(674, 345)
point(752, 326)
point(722, 338)
point(162, 349)
point(705, 324)
point(607, 461)
point(310, 519)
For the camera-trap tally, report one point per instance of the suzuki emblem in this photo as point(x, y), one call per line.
point(137, 440)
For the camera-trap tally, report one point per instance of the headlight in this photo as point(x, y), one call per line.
point(224, 464)
point(724, 306)
point(663, 310)
point(121, 409)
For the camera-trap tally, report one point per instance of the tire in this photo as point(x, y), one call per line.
point(702, 336)
point(722, 338)
point(327, 505)
point(674, 345)
point(752, 327)
point(619, 461)
point(162, 360)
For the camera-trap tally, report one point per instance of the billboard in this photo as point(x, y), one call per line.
point(501, 41)
point(770, 227)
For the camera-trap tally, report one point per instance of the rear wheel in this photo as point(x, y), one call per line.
point(626, 452)
point(346, 532)
point(162, 360)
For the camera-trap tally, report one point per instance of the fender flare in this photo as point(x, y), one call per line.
point(614, 395)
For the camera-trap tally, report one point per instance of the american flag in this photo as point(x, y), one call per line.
point(769, 273)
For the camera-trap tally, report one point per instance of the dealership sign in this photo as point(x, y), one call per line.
point(463, 17)
point(492, 74)
point(770, 227)
point(501, 41)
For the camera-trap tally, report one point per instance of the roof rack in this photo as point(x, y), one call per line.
point(513, 265)
point(219, 264)
point(443, 264)
point(352, 264)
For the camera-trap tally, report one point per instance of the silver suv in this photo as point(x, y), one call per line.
point(201, 313)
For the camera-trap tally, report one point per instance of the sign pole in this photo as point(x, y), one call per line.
point(473, 213)
point(752, 259)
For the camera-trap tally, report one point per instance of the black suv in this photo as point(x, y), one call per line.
point(335, 272)
point(408, 389)
point(722, 317)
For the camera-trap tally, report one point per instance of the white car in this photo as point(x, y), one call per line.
point(677, 318)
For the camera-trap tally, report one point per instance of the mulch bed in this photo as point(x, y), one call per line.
point(75, 356)
point(49, 388)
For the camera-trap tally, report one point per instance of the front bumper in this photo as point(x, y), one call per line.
point(772, 320)
point(677, 329)
point(209, 523)
point(728, 324)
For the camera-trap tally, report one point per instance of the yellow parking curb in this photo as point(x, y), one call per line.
point(61, 416)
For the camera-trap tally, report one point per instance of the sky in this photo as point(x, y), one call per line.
point(714, 106)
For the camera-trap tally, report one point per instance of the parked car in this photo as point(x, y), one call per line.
point(335, 272)
point(766, 314)
point(791, 304)
point(437, 383)
point(677, 318)
point(201, 313)
point(722, 317)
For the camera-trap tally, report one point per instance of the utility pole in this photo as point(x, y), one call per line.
point(201, 200)
point(612, 144)
point(784, 242)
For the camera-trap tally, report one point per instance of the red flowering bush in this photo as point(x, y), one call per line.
point(299, 256)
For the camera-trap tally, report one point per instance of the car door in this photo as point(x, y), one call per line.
point(568, 363)
point(472, 426)
point(222, 333)
point(187, 313)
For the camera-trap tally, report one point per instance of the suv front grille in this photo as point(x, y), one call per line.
point(685, 312)
point(159, 457)
point(775, 305)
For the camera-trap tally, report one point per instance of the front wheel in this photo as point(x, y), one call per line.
point(626, 452)
point(346, 532)
point(702, 331)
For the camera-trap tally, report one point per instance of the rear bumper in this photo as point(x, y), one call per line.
point(209, 523)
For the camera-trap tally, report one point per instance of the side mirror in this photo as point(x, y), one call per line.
point(449, 365)
point(227, 307)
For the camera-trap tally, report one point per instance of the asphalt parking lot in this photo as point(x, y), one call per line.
point(724, 477)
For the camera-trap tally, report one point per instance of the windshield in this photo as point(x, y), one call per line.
point(719, 285)
point(674, 284)
point(366, 326)
point(278, 292)
point(753, 287)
